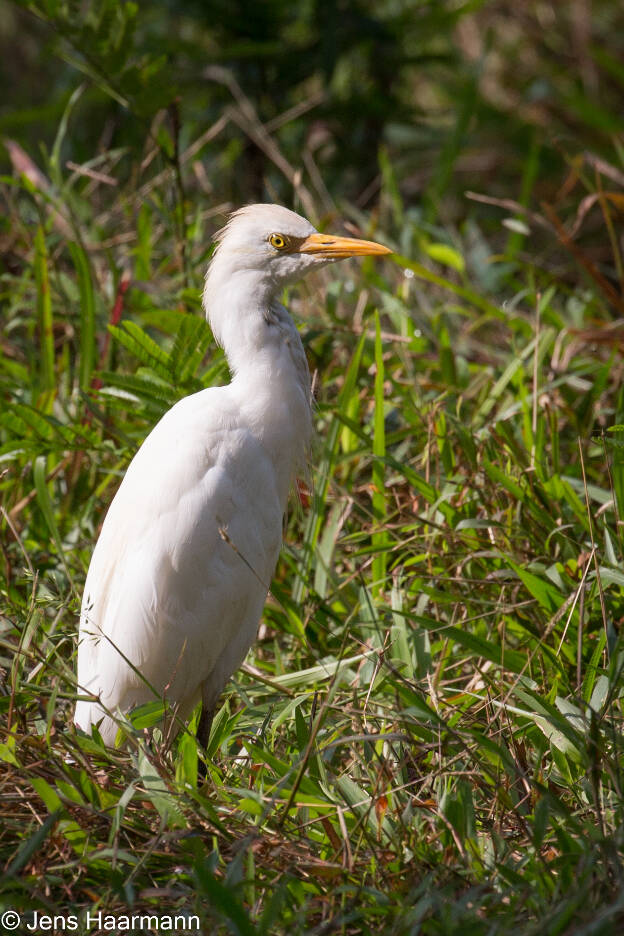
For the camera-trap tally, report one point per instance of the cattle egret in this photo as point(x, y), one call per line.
point(181, 569)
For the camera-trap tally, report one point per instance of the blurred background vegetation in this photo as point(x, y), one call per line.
point(430, 85)
point(433, 712)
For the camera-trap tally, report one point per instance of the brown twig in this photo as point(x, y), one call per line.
point(609, 291)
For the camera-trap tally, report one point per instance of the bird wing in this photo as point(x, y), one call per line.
point(184, 560)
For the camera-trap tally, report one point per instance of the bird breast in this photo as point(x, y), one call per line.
point(185, 556)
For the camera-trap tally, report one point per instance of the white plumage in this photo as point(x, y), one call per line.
point(181, 569)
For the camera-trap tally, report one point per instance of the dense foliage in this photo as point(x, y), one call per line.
point(427, 736)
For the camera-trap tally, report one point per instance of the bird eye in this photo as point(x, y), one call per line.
point(278, 241)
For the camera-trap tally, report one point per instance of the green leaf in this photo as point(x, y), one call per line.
point(44, 315)
point(379, 539)
point(165, 802)
point(442, 253)
point(87, 315)
point(30, 846)
point(139, 343)
point(45, 503)
point(548, 596)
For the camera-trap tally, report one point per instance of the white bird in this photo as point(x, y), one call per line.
point(181, 570)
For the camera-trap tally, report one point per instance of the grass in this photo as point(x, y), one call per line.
point(427, 735)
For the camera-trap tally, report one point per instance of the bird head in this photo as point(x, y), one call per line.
point(260, 250)
point(276, 247)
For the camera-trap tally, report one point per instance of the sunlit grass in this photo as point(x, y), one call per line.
point(427, 735)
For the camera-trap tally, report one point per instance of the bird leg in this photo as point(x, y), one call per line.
point(210, 692)
point(204, 726)
point(203, 736)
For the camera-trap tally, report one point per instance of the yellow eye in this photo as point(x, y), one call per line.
point(278, 241)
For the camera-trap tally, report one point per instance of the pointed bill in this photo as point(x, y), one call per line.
point(334, 247)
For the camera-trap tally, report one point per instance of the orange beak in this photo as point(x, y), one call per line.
point(337, 248)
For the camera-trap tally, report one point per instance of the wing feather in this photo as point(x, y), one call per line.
point(182, 565)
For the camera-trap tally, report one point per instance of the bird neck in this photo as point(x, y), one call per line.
point(270, 377)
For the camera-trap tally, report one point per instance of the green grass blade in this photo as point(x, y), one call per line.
point(44, 317)
point(45, 503)
point(87, 315)
point(380, 535)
